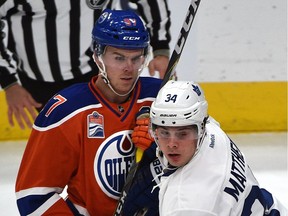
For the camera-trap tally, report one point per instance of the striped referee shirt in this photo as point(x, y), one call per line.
point(50, 40)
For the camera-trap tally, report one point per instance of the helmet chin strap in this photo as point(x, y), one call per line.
point(104, 76)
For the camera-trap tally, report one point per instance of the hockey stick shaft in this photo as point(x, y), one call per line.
point(193, 7)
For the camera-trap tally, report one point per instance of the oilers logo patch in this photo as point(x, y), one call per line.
point(112, 162)
point(95, 125)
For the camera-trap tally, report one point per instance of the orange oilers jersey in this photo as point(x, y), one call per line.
point(83, 141)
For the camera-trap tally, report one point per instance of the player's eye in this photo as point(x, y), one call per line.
point(120, 58)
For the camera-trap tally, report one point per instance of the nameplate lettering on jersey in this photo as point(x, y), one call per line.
point(112, 162)
point(238, 178)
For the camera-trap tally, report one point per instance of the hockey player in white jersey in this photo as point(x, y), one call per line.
point(205, 173)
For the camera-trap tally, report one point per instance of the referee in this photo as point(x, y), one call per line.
point(45, 46)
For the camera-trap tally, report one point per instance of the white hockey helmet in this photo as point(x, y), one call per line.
point(180, 103)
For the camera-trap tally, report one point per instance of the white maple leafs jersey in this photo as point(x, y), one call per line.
point(217, 181)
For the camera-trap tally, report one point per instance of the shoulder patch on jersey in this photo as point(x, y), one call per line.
point(95, 127)
point(112, 162)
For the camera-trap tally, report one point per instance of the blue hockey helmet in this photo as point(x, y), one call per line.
point(121, 29)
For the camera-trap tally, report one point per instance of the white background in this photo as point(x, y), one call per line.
point(232, 40)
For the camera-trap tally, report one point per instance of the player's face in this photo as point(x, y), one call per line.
point(122, 67)
point(178, 144)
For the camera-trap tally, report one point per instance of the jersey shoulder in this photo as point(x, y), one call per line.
point(149, 87)
point(66, 103)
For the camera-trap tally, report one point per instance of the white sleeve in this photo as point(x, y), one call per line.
point(189, 212)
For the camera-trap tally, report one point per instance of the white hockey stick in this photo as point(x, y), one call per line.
point(193, 7)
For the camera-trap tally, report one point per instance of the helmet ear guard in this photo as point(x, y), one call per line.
point(99, 49)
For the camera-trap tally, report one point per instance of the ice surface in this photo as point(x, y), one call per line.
point(265, 152)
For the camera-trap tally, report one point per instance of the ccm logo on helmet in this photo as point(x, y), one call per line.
point(131, 38)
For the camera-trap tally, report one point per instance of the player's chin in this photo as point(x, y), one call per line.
point(123, 90)
point(125, 85)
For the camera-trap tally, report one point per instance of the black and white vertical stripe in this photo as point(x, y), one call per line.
point(157, 17)
point(52, 38)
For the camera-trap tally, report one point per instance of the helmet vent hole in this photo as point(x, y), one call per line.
point(163, 122)
point(187, 97)
point(130, 29)
point(187, 114)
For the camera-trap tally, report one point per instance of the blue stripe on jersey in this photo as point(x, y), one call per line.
point(29, 204)
point(148, 87)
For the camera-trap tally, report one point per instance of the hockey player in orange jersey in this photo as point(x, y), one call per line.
point(82, 137)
